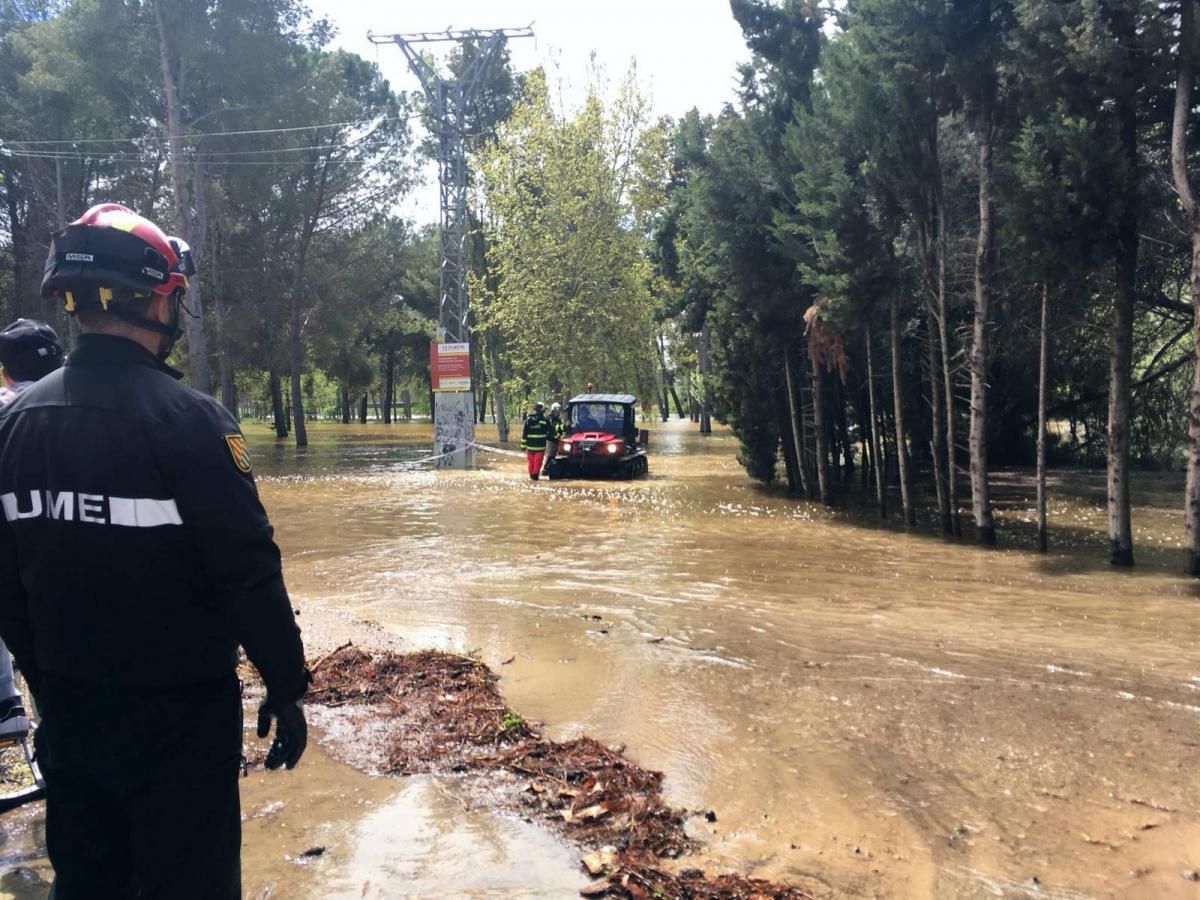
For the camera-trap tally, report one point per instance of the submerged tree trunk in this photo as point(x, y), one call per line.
point(296, 354)
point(18, 230)
point(478, 382)
point(277, 411)
point(791, 459)
point(497, 394)
point(675, 397)
point(362, 409)
point(947, 385)
point(822, 435)
point(936, 434)
point(668, 378)
point(1120, 524)
point(389, 385)
point(193, 324)
point(197, 342)
point(879, 462)
point(842, 429)
point(887, 439)
point(797, 417)
point(910, 513)
point(1043, 367)
point(345, 405)
point(866, 431)
point(705, 372)
point(1120, 521)
point(1183, 186)
point(981, 501)
point(866, 455)
point(225, 371)
point(312, 216)
point(940, 250)
point(1192, 506)
point(808, 431)
point(224, 357)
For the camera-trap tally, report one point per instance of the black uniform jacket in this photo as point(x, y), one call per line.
point(536, 432)
point(134, 552)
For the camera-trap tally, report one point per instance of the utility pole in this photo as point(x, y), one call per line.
point(450, 101)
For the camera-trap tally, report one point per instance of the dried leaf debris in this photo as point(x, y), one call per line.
point(441, 712)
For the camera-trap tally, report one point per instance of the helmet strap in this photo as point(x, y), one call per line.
point(171, 330)
point(186, 309)
point(175, 325)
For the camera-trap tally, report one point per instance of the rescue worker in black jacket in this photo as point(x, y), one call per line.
point(29, 350)
point(135, 558)
point(533, 439)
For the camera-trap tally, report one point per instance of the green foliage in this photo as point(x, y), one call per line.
point(717, 243)
point(849, 174)
point(568, 283)
point(298, 154)
point(612, 249)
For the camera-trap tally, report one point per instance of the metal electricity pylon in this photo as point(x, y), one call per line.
point(450, 100)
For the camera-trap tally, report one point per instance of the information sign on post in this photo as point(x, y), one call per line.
point(454, 404)
point(450, 366)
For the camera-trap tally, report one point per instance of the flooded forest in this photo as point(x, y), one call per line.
point(907, 603)
point(861, 710)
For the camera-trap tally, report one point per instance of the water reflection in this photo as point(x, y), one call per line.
point(424, 844)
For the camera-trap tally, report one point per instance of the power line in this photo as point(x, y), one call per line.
point(217, 156)
point(361, 145)
point(205, 157)
point(210, 134)
point(145, 161)
point(366, 143)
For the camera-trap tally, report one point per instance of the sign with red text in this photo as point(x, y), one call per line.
point(450, 366)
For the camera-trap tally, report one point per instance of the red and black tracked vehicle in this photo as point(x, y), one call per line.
point(601, 438)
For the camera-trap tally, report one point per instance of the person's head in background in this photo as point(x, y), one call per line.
point(29, 350)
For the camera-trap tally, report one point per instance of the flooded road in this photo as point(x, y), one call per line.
point(868, 713)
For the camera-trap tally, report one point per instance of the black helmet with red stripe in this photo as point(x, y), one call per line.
point(110, 254)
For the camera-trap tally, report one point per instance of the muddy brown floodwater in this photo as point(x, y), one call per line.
point(868, 713)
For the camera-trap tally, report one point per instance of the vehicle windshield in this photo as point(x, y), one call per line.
point(608, 417)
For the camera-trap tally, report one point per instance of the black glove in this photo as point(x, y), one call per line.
point(291, 732)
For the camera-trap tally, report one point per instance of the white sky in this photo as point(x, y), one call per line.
point(687, 51)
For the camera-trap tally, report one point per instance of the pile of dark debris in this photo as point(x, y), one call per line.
point(440, 713)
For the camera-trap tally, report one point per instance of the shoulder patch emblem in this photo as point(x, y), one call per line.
point(239, 452)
